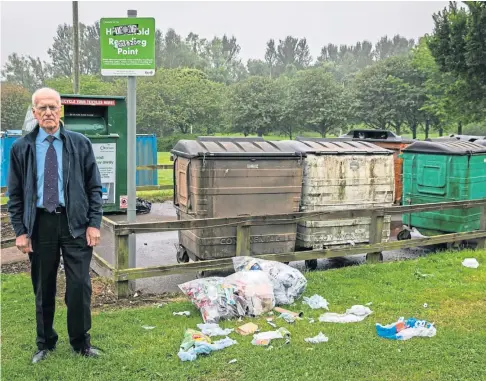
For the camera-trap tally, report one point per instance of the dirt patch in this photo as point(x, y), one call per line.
point(103, 290)
point(6, 227)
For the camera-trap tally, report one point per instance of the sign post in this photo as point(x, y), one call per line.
point(128, 49)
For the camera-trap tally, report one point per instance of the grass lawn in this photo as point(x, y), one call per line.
point(456, 298)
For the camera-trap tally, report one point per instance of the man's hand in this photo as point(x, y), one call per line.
point(24, 244)
point(93, 236)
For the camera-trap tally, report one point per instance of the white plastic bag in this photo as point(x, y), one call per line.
point(354, 314)
point(320, 338)
point(288, 283)
point(316, 301)
point(247, 293)
point(472, 263)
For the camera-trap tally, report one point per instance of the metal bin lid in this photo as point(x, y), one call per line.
point(233, 147)
point(322, 146)
point(447, 147)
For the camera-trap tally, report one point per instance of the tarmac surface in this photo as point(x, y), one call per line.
point(157, 249)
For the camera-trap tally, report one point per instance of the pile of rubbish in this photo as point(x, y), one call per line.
point(261, 287)
point(256, 288)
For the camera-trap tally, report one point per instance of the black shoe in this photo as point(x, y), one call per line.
point(90, 352)
point(40, 355)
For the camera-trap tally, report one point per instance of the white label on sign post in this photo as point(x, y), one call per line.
point(105, 154)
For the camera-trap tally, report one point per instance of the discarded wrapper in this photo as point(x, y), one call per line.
point(284, 311)
point(247, 329)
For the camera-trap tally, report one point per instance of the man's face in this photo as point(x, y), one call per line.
point(47, 111)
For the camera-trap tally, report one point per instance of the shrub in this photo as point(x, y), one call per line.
point(166, 143)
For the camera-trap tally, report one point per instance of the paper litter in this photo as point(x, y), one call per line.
point(288, 283)
point(211, 329)
point(232, 361)
point(148, 327)
point(354, 314)
point(247, 329)
point(320, 338)
point(316, 301)
point(183, 313)
point(196, 343)
point(472, 263)
point(264, 338)
point(406, 329)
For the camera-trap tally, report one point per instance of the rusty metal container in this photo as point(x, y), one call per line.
point(390, 141)
point(339, 175)
point(229, 177)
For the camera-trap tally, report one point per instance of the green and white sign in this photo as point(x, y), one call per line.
point(127, 46)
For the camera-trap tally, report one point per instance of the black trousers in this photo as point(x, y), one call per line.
point(51, 237)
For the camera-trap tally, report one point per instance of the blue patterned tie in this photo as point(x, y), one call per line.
point(51, 192)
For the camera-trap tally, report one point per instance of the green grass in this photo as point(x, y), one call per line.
point(456, 298)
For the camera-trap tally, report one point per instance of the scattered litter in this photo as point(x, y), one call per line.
point(320, 338)
point(147, 327)
point(471, 263)
point(160, 305)
point(183, 313)
point(264, 338)
point(232, 361)
point(289, 318)
point(284, 311)
point(135, 295)
point(244, 293)
point(272, 324)
point(369, 303)
point(316, 301)
point(415, 234)
point(354, 314)
point(247, 329)
point(196, 343)
point(288, 283)
point(212, 329)
point(270, 347)
point(270, 313)
point(311, 321)
point(419, 275)
point(425, 305)
point(404, 330)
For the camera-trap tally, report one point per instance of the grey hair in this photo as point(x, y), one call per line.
point(45, 89)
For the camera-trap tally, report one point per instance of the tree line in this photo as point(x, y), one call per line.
point(203, 87)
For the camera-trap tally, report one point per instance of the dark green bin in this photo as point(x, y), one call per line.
point(443, 172)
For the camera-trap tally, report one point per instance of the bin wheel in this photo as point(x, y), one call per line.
point(374, 257)
point(286, 263)
point(404, 235)
point(311, 264)
point(182, 256)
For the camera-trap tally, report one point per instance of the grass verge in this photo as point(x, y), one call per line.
point(456, 298)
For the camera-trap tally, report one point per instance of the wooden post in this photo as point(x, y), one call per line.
point(243, 245)
point(482, 227)
point(376, 236)
point(121, 261)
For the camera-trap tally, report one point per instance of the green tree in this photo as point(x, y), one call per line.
point(458, 45)
point(318, 101)
point(253, 106)
point(15, 102)
point(26, 71)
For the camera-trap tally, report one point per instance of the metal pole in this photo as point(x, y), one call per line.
point(131, 159)
point(75, 48)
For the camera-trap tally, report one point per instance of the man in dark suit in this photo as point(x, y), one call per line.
point(55, 206)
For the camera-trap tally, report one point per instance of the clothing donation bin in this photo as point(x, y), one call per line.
point(103, 120)
point(230, 177)
point(342, 175)
point(442, 172)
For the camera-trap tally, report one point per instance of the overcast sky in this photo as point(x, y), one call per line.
point(29, 27)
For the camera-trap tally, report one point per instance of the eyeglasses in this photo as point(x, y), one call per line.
point(43, 109)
